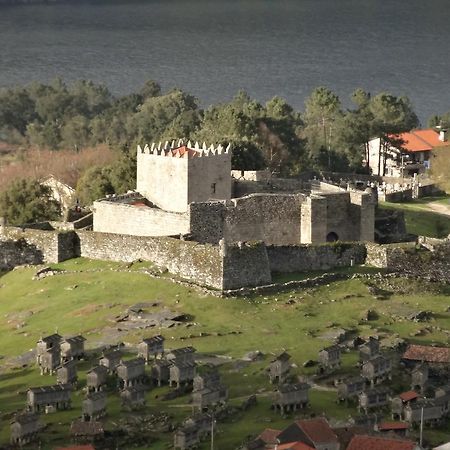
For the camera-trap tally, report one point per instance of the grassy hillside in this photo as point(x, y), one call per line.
point(91, 295)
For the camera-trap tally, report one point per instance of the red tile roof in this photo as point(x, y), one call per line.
point(294, 446)
point(427, 353)
point(386, 426)
point(378, 443)
point(180, 151)
point(317, 430)
point(269, 435)
point(408, 396)
point(421, 140)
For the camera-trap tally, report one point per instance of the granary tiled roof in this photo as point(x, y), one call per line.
point(331, 348)
point(51, 338)
point(427, 353)
point(132, 362)
point(364, 442)
point(74, 339)
point(182, 364)
point(98, 369)
point(112, 354)
point(317, 430)
point(158, 338)
point(408, 396)
point(94, 396)
point(52, 388)
point(25, 418)
point(81, 428)
point(282, 357)
point(182, 351)
point(287, 388)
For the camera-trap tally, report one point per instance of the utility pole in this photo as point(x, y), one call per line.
point(421, 427)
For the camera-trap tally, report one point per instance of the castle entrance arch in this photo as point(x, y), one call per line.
point(332, 237)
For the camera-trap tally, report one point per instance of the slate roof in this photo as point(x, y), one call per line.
point(81, 428)
point(51, 338)
point(158, 338)
point(282, 357)
point(52, 388)
point(387, 426)
point(132, 363)
point(364, 442)
point(25, 418)
point(427, 353)
point(74, 339)
point(287, 388)
point(182, 351)
point(98, 369)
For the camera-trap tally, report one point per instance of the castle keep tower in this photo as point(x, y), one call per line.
point(172, 176)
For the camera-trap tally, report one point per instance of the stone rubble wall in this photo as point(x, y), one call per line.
point(304, 258)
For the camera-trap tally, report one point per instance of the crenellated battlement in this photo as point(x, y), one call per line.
point(180, 149)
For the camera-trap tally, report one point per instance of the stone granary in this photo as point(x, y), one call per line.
point(72, 348)
point(181, 373)
point(399, 402)
point(187, 189)
point(152, 347)
point(370, 349)
point(49, 398)
point(202, 421)
point(82, 431)
point(419, 378)
point(433, 411)
point(279, 368)
point(330, 358)
point(133, 397)
point(24, 429)
point(350, 388)
point(67, 373)
point(291, 397)
point(49, 360)
point(131, 372)
point(376, 397)
point(160, 373)
point(94, 406)
point(208, 390)
point(46, 343)
point(183, 354)
point(111, 360)
point(96, 378)
point(377, 369)
point(186, 437)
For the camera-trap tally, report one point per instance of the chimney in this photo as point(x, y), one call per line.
point(443, 135)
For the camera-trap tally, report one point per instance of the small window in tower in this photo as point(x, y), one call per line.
point(213, 188)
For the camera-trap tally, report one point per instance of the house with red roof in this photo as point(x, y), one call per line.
point(438, 356)
point(407, 153)
point(364, 442)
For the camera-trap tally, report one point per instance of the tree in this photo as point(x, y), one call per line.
point(246, 156)
point(94, 184)
point(28, 201)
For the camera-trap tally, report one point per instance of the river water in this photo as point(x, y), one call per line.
point(213, 48)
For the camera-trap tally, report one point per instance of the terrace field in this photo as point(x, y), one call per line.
point(88, 296)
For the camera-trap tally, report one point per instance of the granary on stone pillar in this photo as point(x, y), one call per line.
point(181, 372)
point(96, 378)
point(67, 373)
point(279, 368)
point(49, 360)
point(111, 359)
point(330, 358)
point(151, 347)
point(183, 354)
point(350, 388)
point(49, 398)
point(46, 343)
point(94, 406)
point(370, 349)
point(72, 348)
point(377, 397)
point(133, 398)
point(131, 372)
point(377, 369)
point(291, 397)
point(24, 428)
point(160, 372)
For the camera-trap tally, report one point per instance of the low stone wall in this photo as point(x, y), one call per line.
point(396, 197)
point(198, 262)
point(30, 246)
point(305, 258)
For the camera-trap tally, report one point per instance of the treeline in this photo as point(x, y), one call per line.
point(325, 136)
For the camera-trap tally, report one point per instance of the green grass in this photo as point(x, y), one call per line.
point(294, 321)
point(420, 220)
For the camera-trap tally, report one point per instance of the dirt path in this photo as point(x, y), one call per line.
point(439, 208)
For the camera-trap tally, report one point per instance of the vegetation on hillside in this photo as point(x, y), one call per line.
point(325, 136)
point(91, 295)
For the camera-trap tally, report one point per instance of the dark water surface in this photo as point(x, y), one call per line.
point(213, 48)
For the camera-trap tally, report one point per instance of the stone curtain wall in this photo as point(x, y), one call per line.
point(274, 219)
point(120, 218)
point(245, 265)
point(199, 263)
point(304, 258)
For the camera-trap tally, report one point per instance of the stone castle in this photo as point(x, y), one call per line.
point(188, 190)
point(221, 229)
